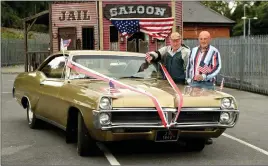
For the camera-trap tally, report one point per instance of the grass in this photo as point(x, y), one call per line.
point(10, 33)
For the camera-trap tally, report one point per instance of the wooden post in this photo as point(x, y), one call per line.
point(181, 29)
point(126, 43)
point(26, 45)
point(101, 24)
point(50, 29)
point(173, 7)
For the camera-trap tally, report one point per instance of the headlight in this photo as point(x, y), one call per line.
point(226, 103)
point(104, 119)
point(105, 103)
point(225, 117)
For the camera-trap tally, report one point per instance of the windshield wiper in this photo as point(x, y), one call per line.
point(86, 77)
point(132, 77)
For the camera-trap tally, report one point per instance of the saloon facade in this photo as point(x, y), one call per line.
point(139, 42)
point(88, 24)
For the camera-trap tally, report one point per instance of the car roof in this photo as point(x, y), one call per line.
point(101, 52)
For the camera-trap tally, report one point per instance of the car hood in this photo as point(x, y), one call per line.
point(161, 89)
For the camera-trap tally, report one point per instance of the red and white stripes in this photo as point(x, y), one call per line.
point(79, 68)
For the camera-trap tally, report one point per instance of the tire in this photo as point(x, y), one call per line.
point(196, 144)
point(71, 131)
point(71, 137)
point(33, 122)
point(86, 146)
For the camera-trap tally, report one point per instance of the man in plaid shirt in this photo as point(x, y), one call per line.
point(204, 63)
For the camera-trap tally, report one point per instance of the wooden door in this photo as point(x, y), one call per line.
point(68, 33)
point(131, 46)
point(143, 46)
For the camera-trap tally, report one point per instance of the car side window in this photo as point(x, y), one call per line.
point(55, 68)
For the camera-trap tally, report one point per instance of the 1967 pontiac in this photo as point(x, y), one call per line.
point(113, 96)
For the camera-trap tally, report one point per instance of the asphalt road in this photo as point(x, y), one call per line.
point(46, 146)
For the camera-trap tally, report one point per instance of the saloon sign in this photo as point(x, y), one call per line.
point(137, 11)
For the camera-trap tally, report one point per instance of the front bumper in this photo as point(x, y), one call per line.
point(150, 135)
point(156, 124)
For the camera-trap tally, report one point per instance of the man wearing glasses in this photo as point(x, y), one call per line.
point(174, 57)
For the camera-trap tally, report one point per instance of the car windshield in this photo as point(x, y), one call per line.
point(115, 66)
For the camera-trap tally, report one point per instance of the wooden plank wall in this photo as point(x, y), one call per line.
point(152, 46)
point(90, 7)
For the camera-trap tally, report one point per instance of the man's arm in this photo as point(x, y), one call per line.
point(216, 63)
point(185, 56)
point(158, 55)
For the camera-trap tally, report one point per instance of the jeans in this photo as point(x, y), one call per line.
point(203, 84)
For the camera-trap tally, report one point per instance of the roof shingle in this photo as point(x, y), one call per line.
point(196, 12)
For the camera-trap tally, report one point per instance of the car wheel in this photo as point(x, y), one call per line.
point(86, 146)
point(33, 122)
point(197, 144)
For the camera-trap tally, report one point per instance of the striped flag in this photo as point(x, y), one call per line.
point(148, 56)
point(112, 88)
point(158, 28)
point(222, 81)
point(204, 69)
point(65, 44)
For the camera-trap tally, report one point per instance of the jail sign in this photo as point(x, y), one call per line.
point(137, 11)
point(74, 15)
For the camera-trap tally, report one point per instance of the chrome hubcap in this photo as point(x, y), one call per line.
point(30, 115)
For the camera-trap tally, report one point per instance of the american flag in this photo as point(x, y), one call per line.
point(112, 88)
point(158, 28)
point(65, 44)
point(147, 56)
point(204, 69)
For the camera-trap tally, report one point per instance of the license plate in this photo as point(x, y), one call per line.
point(166, 135)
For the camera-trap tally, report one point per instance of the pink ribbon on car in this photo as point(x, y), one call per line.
point(176, 89)
point(94, 74)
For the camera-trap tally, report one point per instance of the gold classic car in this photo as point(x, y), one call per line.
point(113, 96)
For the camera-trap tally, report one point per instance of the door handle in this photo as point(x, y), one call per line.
point(42, 83)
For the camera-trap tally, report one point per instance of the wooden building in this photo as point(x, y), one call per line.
point(139, 42)
point(88, 25)
point(197, 17)
point(77, 21)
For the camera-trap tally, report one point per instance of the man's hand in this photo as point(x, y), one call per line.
point(148, 58)
point(143, 67)
point(188, 81)
point(199, 78)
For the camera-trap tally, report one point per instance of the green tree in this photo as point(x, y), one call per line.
point(13, 12)
point(221, 7)
point(260, 25)
point(9, 16)
point(259, 9)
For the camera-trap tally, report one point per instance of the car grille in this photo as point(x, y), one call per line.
point(135, 117)
point(197, 116)
point(153, 117)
